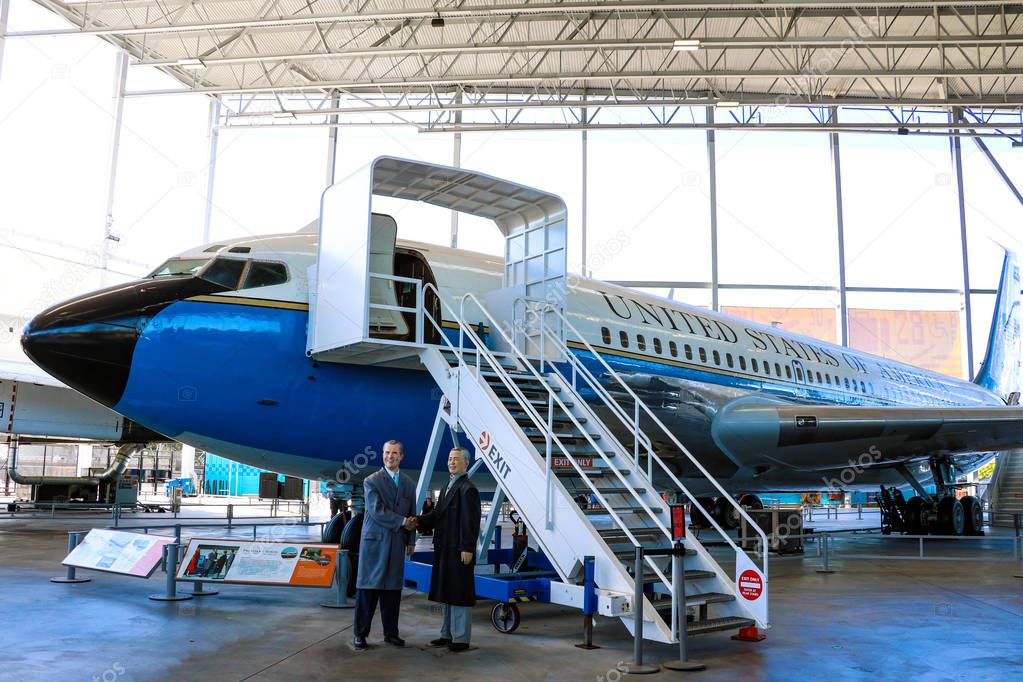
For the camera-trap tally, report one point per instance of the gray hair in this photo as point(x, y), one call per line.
point(401, 447)
point(465, 454)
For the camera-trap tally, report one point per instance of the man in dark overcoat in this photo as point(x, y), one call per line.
point(455, 522)
point(387, 537)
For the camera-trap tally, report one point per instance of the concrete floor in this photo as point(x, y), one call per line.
point(876, 619)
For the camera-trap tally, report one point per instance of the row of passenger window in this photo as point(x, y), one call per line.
point(753, 364)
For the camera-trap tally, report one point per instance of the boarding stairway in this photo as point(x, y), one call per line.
point(526, 400)
point(1008, 489)
point(546, 446)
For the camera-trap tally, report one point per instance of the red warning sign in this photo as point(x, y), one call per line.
point(751, 585)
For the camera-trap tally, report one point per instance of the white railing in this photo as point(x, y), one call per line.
point(544, 426)
point(418, 310)
point(632, 423)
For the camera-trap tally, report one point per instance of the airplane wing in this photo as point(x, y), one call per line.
point(755, 431)
point(33, 403)
point(28, 372)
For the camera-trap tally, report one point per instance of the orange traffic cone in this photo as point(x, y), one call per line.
point(750, 634)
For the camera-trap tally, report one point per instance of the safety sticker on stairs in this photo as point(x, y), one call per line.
point(750, 586)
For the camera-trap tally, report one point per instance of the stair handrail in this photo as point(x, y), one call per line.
point(482, 351)
point(611, 371)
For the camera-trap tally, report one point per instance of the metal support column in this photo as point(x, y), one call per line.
point(211, 167)
point(957, 164)
point(836, 162)
point(712, 172)
point(335, 104)
point(430, 459)
point(489, 524)
point(456, 161)
point(5, 8)
point(585, 194)
point(120, 79)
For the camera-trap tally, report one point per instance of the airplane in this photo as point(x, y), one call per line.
point(210, 349)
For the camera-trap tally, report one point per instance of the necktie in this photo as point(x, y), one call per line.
point(395, 477)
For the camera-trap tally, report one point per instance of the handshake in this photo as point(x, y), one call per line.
point(411, 523)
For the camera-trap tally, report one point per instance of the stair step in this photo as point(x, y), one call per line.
point(537, 436)
point(697, 600)
point(702, 627)
point(615, 533)
point(630, 554)
point(606, 491)
point(559, 419)
point(624, 510)
point(525, 383)
point(512, 400)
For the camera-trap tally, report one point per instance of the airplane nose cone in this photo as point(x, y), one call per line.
point(88, 342)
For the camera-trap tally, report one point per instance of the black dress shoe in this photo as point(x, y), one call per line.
point(458, 646)
point(440, 641)
point(360, 644)
point(396, 641)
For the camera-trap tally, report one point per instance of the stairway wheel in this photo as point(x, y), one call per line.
point(505, 618)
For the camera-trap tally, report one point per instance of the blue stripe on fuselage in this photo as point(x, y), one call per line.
point(204, 368)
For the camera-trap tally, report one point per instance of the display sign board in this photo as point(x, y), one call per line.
point(678, 521)
point(118, 551)
point(258, 563)
point(751, 587)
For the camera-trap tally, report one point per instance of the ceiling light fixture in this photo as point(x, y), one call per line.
point(727, 104)
point(191, 64)
point(685, 45)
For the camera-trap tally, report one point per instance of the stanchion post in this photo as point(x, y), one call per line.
point(70, 577)
point(678, 590)
point(824, 541)
point(341, 568)
point(1019, 553)
point(170, 553)
point(589, 603)
point(637, 667)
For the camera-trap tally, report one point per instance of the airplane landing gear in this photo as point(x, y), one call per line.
point(937, 514)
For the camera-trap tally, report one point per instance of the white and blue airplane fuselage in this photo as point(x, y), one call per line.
point(210, 350)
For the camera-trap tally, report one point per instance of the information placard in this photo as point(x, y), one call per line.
point(118, 551)
point(253, 562)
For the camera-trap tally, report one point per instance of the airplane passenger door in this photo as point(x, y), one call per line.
point(384, 323)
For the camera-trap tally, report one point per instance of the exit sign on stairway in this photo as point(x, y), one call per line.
point(565, 463)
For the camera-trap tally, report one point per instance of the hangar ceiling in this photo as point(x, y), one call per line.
point(426, 60)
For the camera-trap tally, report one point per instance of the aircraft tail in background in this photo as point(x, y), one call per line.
point(1001, 371)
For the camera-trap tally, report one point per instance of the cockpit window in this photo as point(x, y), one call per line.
point(226, 272)
point(262, 274)
point(231, 273)
point(180, 266)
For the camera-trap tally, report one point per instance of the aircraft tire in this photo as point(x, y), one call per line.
point(973, 514)
point(725, 514)
point(951, 519)
point(696, 516)
point(914, 515)
point(750, 501)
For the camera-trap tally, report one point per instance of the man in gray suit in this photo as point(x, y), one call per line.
point(387, 537)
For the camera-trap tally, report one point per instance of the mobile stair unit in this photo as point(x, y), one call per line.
point(528, 401)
